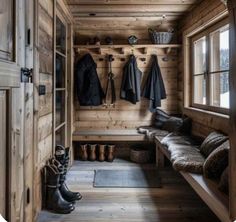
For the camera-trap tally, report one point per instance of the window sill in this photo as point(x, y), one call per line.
point(211, 113)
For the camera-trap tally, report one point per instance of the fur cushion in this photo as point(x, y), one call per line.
point(176, 139)
point(184, 153)
point(224, 181)
point(151, 132)
point(217, 161)
point(173, 124)
point(212, 141)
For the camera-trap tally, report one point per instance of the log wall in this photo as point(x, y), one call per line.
point(44, 103)
point(198, 18)
point(126, 115)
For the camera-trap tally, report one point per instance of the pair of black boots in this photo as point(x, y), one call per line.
point(59, 198)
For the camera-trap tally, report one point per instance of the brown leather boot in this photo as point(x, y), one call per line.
point(110, 153)
point(84, 152)
point(101, 153)
point(92, 152)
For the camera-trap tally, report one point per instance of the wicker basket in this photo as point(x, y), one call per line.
point(140, 155)
point(160, 37)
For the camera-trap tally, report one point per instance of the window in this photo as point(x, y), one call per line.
point(7, 30)
point(60, 91)
point(210, 61)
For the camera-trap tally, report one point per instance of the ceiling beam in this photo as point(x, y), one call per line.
point(131, 2)
point(129, 8)
point(146, 15)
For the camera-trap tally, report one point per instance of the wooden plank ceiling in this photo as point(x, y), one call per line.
point(105, 15)
point(146, 9)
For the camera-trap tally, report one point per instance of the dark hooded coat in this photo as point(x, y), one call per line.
point(131, 81)
point(88, 86)
point(154, 88)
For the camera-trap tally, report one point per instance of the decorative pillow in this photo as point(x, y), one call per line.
point(217, 161)
point(212, 141)
point(224, 181)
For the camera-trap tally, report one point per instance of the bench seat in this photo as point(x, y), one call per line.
point(108, 135)
point(207, 189)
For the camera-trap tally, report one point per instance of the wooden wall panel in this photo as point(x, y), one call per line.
point(45, 52)
point(3, 156)
point(198, 18)
point(119, 34)
point(126, 115)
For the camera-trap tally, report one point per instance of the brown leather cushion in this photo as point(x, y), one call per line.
point(213, 140)
point(191, 164)
point(217, 161)
point(224, 181)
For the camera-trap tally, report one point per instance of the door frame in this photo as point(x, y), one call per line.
point(64, 15)
point(10, 81)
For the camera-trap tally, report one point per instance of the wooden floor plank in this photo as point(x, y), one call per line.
point(175, 201)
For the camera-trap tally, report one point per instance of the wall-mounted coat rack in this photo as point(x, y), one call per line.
point(126, 49)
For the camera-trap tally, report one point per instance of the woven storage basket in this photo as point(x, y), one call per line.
point(140, 155)
point(160, 37)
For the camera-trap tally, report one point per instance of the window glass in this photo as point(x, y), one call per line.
point(7, 29)
point(200, 56)
point(60, 107)
point(219, 85)
point(60, 71)
point(199, 71)
point(60, 136)
point(199, 89)
point(211, 69)
point(219, 67)
point(60, 36)
point(219, 56)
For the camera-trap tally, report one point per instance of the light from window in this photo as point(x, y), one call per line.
point(219, 68)
point(211, 69)
point(200, 71)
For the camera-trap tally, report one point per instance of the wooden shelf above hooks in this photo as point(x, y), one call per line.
point(125, 49)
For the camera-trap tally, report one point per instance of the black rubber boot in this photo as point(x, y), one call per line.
point(63, 158)
point(54, 199)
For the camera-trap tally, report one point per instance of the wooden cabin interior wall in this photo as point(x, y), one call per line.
point(203, 15)
point(124, 115)
point(45, 35)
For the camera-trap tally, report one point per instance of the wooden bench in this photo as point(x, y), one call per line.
point(207, 189)
point(108, 135)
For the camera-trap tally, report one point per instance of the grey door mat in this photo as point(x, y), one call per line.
point(127, 178)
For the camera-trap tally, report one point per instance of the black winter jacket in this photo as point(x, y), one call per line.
point(154, 88)
point(131, 81)
point(88, 86)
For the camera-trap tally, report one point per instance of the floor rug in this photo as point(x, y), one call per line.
point(136, 178)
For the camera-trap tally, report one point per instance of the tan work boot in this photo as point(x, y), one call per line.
point(101, 154)
point(110, 153)
point(84, 153)
point(92, 152)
